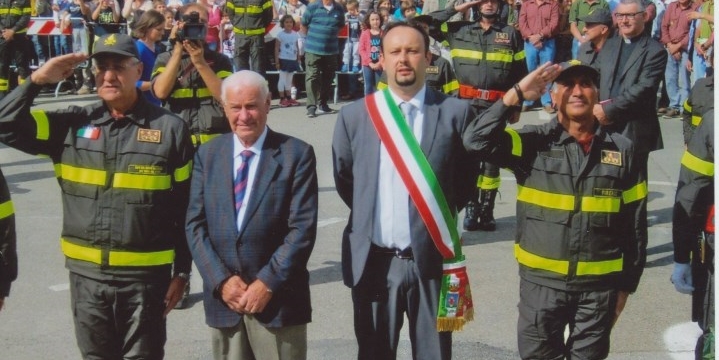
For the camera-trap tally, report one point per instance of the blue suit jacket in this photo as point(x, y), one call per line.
point(355, 153)
point(278, 234)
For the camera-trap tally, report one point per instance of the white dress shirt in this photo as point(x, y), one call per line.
point(256, 148)
point(391, 223)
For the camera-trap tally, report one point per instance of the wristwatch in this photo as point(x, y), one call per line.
point(184, 276)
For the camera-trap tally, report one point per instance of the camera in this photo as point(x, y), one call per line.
point(193, 29)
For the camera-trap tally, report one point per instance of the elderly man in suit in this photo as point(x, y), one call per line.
point(388, 255)
point(251, 226)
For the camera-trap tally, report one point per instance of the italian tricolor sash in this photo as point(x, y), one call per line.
point(455, 302)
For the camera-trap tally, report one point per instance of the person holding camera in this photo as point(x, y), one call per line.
point(187, 79)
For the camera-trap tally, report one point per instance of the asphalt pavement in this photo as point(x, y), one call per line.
point(36, 322)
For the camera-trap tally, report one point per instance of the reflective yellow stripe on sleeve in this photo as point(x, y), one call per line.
point(6, 209)
point(696, 120)
point(488, 183)
point(183, 173)
point(545, 199)
point(516, 141)
point(600, 267)
point(83, 175)
point(636, 193)
point(158, 70)
point(185, 93)
point(687, 107)
point(141, 182)
point(126, 258)
point(258, 31)
point(519, 55)
point(538, 262)
point(117, 258)
point(203, 138)
point(42, 124)
point(267, 5)
point(499, 57)
point(697, 165)
point(223, 74)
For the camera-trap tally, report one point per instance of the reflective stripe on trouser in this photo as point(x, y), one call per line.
point(545, 312)
point(119, 319)
point(489, 178)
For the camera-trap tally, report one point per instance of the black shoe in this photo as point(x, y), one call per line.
point(486, 210)
point(470, 216)
point(324, 109)
point(311, 111)
point(184, 301)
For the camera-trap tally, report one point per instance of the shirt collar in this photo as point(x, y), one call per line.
point(256, 148)
point(417, 100)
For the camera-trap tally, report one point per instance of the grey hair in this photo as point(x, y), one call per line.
point(639, 3)
point(245, 78)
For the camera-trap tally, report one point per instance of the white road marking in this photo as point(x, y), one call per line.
point(680, 340)
point(60, 287)
point(330, 221)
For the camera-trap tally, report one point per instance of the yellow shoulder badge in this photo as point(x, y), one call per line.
point(611, 157)
point(149, 135)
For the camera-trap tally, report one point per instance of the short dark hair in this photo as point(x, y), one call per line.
point(284, 18)
point(412, 25)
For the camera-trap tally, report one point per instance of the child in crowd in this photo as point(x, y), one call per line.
point(408, 10)
point(384, 13)
point(169, 23)
point(287, 59)
point(350, 58)
point(369, 49)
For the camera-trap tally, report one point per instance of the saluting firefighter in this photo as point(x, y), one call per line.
point(580, 244)
point(693, 243)
point(14, 20)
point(124, 166)
point(488, 57)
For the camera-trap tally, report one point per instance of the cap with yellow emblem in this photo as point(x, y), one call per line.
point(115, 44)
point(574, 67)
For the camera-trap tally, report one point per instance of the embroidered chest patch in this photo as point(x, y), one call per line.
point(611, 157)
point(149, 135)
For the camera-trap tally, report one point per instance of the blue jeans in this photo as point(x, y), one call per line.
point(62, 45)
point(677, 78)
point(371, 78)
point(575, 47)
point(699, 67)
point(535, 57)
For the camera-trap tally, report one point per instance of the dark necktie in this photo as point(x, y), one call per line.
point(241, 179)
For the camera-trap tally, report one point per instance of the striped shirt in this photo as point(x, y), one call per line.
point(322, 28)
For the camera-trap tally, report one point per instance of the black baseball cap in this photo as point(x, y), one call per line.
point(574, 67)
point(598, 16)
point(115, 44)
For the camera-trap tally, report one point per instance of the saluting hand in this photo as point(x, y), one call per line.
point(535, 83)
point(57, 69)
point(463, 7)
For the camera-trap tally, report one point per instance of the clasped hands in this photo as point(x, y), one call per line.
point(243, 298)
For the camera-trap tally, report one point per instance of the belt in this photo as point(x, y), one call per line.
point(468, 92)
point(405, 254)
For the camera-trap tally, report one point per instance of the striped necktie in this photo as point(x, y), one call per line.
point(241, 179)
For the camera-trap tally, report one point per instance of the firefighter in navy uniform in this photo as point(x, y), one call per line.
point(439, 74)
point(123, 165)
point(249, 19)
point(8, 246)
point(488, 58)
point(701, 100)
point(14, 20)
point(580, 244)
point(188, 79)
point(693, 244)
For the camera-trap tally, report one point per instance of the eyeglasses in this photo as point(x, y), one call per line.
point(114, 67)
point(630, 16)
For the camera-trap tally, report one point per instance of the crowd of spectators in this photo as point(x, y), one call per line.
point(553, 30)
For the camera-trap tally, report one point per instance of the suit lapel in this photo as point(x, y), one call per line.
point(429, 125)
point(267, 169)
point(226, 174)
